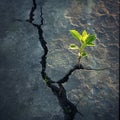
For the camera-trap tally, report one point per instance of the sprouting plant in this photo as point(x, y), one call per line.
point(84, 40)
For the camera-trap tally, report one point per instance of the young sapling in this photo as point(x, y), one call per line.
point(85, 40)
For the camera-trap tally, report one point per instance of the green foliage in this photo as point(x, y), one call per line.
point(84, 39)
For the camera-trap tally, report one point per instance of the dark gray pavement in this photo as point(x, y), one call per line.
point(23, 93)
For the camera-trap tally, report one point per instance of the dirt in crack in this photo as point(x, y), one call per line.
point(57, 88)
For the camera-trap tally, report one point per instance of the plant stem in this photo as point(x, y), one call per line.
point(82, 48)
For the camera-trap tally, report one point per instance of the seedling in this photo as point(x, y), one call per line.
point(85, 40)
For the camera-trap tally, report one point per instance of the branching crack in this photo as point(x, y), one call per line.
point(66, 77)
point(57, 88)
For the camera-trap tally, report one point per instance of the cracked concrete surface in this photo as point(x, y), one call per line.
point(23, 93)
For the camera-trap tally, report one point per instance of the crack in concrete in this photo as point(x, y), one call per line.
point(68, 107)
point(66, 77)
point(31, 15)
point(57, 88)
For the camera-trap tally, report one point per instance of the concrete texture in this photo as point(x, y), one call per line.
point(23, 92)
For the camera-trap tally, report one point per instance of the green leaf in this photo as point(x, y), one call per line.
point(84, 33)
point(73, 47)
point(84, 54)
point(76, 34)
point(90, 44)
point(90, 39)
point(84, 36)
